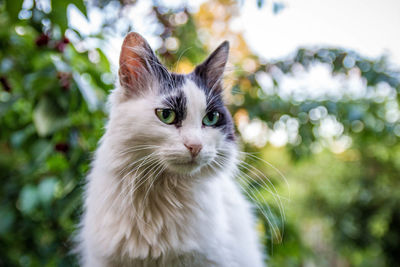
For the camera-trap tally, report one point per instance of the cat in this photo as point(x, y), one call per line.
point(161, 190)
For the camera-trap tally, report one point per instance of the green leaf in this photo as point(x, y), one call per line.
point(41, 81)
point(13, 8)
point(260, 3)
point(58, 14)
point(28, 199)
point(19, 137)
point(40, 150)
point(43, 117)
point(57, 163)
point(46, 117)
point(46, 189)
point(80, 5)
point(87, 91)
point(104, 63)
point(5, 106)
point(7, 218)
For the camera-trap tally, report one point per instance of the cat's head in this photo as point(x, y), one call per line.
point(177, 121)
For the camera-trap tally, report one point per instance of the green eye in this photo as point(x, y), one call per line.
point(211, 118)
point(166, 115)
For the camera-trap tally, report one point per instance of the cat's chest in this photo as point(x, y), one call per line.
point(174, 224)
point(193, 259)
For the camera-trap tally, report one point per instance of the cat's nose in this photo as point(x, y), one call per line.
point(194, 148)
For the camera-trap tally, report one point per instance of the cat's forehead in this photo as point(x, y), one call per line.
point(178, 87)
point(186, 98)
point(196, 97)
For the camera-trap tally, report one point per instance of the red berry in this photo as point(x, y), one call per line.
point(42, 40)
point(60, 46)
point(64, 78)
point(5, 83)
point(62, 147)
point(65, 40)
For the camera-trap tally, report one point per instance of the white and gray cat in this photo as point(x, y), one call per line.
point(161, 191)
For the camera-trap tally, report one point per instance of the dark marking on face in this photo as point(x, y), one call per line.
point(176, 100)
point(167, 80)
point(170, 81)
point(214, 102)
point(200, 80)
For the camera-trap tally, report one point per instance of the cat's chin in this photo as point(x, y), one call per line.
point(184, 168)
point(189, 167)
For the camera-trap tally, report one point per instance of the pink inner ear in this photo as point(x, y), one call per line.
point(130, 62)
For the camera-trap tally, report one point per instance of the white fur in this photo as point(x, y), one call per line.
point(182, 215)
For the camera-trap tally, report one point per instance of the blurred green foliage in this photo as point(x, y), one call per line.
point(343, 208)
point(51, 117)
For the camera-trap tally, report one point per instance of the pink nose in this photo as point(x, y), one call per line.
point(194, 149)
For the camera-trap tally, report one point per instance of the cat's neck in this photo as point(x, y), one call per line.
point(155, 215)
point(136, 184)
point(153, 211)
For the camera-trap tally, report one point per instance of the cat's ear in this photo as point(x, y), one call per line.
point(212, 69)
point(137, 64)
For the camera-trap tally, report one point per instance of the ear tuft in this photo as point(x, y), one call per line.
point(212, 69)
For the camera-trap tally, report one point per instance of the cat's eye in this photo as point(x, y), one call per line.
point(167, 116)
point(211, 118)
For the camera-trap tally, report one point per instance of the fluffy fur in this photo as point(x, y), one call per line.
point(148, 201)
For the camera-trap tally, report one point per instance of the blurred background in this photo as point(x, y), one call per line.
point(313, 87)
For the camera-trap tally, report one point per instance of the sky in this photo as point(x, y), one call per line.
point(370, 27)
